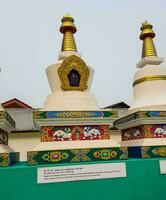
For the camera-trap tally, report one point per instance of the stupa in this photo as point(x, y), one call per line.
point(73, 127)
point(7, 155)
point(144, 129)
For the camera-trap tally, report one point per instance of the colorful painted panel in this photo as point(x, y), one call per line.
point(157, 131)
point(76, 155)
point(74, 114)
point(133, 133)
point(140, 114)
point(153, 152)
point(144, 131)
point(150, 114)
point(67, 133)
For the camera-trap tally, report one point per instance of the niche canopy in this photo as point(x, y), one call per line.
point(73, 74)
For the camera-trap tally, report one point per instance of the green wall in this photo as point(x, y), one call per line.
point(143, 182)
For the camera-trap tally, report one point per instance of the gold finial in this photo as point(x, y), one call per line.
point(68, 29)
point(147, 36)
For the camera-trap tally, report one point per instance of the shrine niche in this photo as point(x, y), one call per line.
point(73, 74)
point(74, 78)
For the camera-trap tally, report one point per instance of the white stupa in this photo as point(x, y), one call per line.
point(71, 123)
point(144, 128)
point(150, 79)
point(70, 88)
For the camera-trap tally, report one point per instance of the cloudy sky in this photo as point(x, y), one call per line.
point(107, 38)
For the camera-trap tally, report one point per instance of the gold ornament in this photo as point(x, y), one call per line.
point(68, 29)
point(149, 78)
point(147, 36)
point(73, 63)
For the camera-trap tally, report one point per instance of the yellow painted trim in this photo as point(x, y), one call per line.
point(149, 78)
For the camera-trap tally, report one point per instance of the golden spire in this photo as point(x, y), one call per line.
point(68, 29)
point(147, 36)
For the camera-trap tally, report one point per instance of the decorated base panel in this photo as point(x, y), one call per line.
point(141, 115)
point(68, 133)
point(147, 152)
point(7, 159)
point(76, 155)
point(61, 115)
point(140, 128)
point(144, 131)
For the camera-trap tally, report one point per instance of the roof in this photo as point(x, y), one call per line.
point(118, 105)
point(15, 103)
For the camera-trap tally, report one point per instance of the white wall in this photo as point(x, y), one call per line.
point(23, 142)
point(23, 118)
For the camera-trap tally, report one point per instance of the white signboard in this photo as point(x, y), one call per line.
point(80, 172)
point(162, 166)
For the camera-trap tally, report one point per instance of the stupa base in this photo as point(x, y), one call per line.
point(75, 136)
point(144, 133)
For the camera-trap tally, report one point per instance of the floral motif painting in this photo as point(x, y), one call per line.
point(77, 155)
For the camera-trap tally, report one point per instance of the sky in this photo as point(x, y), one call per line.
point(107, 38)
